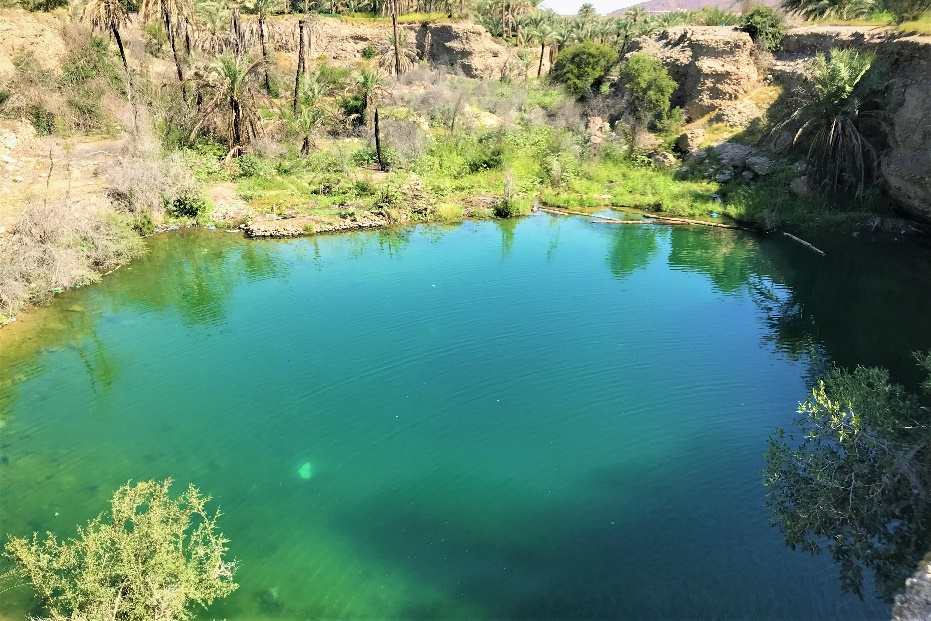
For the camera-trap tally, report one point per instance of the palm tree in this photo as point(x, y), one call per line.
point(635, 14)
point(212, 33)
point(108, 15)
point(111, 15)
point(171, 13)
point(227, 85)
point(397, 56)
point(370, 88)
point(261, 8)
point(844, 120)
point(542, 34)
point(310, 98)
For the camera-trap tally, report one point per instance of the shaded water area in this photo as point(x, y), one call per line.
point(538, 419)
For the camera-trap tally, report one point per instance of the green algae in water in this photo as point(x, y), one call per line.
point(544, 434)
point(305, 471)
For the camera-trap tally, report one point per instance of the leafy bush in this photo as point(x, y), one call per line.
point(507, 208)
point(187, 206)
point(369, 52)
point(251, 165)
point(367, 155)
point(353, 108)
point(149, 558)
point(648, 88)
point(42, 120)
point(4, 96)
point(766, 27)
point(582, 68)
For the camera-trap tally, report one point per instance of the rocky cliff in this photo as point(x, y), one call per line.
point(715, 65)
point(712, 65)
point(460, 46)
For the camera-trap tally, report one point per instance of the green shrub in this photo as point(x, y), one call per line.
point(352, 108)
point(5, 95)
point(187, 206)
point(648, 88)
point(507, 208)
point(42, 120)
point(369, 52)
point(251, 165)
point(582, 68)
point(368, 156)
point(147, 543)
point(766, 27)
point(154, 37)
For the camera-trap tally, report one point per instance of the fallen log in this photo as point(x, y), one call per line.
point(654, 219)
point(804, 243)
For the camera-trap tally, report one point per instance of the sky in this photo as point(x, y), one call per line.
point(571, 7)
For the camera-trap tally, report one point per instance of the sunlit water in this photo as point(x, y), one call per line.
point(543, 419)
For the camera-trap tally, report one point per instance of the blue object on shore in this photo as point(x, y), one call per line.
point(714, 214)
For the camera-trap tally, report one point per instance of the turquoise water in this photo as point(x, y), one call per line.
point(537, 419)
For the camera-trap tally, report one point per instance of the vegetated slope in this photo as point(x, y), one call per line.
point(663, 6)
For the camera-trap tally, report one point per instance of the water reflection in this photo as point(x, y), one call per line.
point(632, 247)
point(853, 477)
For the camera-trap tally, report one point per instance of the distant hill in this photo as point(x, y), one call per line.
point(662, 6)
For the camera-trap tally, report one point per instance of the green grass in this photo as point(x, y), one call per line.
point(917, 27)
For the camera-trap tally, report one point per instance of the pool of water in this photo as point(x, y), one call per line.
point(538, 419)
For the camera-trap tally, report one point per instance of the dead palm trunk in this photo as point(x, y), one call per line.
point(305, 147)
point(300, 61)
point(236, 147)
point(129, 77)
point(542, 52)
point(171, 39)
point(268, 85)
point(381, 163)
point(397, 51)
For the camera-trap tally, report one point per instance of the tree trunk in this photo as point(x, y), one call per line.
point(300, 61)
point(397, 52)
point(381, 163)
point(542, 52)
point(305, 147)
point(268, 85)
point(129, 77)
point(236, 147)
point(171, 39)
point(238, 38)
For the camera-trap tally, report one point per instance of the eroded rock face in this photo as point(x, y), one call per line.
point(460, 46)
point(711, 65)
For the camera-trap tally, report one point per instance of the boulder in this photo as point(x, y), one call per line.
point(664, 159)
point(760, 165)
point(800, 187)
point(733, 154)
point(689, 141)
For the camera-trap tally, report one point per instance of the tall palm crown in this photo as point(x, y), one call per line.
point(108, 15)
point(173, 14)
point(844, 124)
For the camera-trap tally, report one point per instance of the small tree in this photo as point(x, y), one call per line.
point(582, 68)
point(766, 27)
point(647, 89)
point(150, 558)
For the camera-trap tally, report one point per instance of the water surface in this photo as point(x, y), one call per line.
point(537, 419)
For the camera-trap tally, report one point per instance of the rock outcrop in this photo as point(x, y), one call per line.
point(915, 603)
point(710, 64)
point(460, 46)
